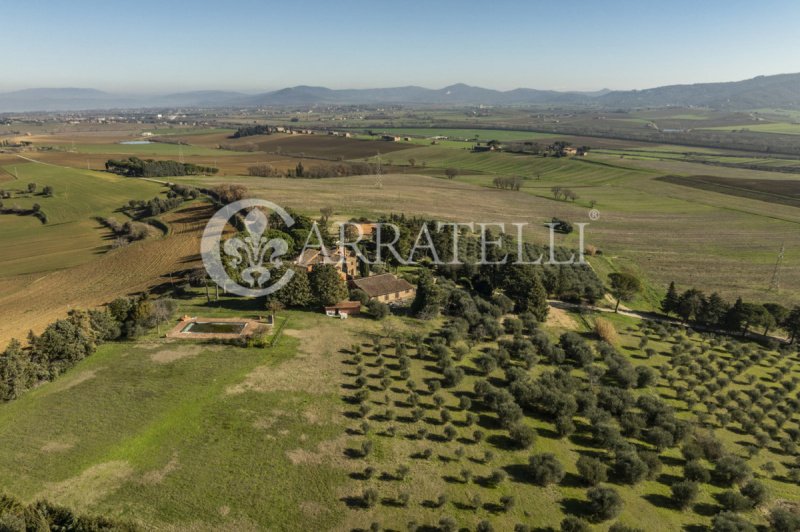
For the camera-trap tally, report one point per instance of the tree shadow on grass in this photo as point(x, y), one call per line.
point(582, 440)
point(668, 480)
point(354, 502)
point(353, 454)
point(706, 509)
point(517, 472)
point(502, 442)
point(672, 461)
point(573, 506)
point(662, 501)
point(571, 480)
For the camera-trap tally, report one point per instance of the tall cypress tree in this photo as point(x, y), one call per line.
point(427, 301)
point(670, 302)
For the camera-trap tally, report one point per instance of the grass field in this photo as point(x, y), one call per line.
point(155, 149)
point(184, 435)
point(783, 128)
point(166, 424)
point(72, 235)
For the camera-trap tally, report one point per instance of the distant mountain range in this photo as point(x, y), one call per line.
point(780, 91)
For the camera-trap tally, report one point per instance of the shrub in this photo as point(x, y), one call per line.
point(508, 502)
point(574, 524)
point(497, 477)
point(731, 469)
point(545, 469)
point(783, 520)
point(734, 501)
point(730, 522)
point(604, 503)
point(450, 433)
point(522, 435)
point(564, 426)
point(605, 330)
point(619, 527)
point(629, 468)
point(441, 500)
point(484, 526)
point(370, 497)
point(402, 472)
point(592, 470)
point(377, 309)
point(755, 491)
point(366, 448)
point(695, 471)
point(576, 349)
point(448, 524)
point(684, 493)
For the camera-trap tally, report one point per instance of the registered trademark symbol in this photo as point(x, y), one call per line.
point(594, 214)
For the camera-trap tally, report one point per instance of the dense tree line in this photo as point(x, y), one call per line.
point(507, 183)
point(136, 167)
point(126, 232)
point(314, 172)
point(714, 312)
point(35, 211)
point(569, 282)
point(249, 131)
point(176, 195)
point(66, 342)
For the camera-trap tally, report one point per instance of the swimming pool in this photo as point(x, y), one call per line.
point(214, 327)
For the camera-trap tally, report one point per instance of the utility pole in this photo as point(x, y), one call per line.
point(379, 181)
point(773, 285)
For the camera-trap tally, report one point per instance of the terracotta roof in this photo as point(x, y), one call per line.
point(311, 256)
point(381, 285)
point(345, 305)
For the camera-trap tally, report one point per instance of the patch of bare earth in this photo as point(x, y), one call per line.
point(89, 487)
point(165, 356)
point(313, 369)
point(157, 476)
point(312, 508)
point(560, 318)
point(73, 380)
point(57, 447)
point(330, 452)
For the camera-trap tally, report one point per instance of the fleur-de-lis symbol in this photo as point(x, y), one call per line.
point(254, 247)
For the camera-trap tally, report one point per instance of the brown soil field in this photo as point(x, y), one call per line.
point(784, 192)
point(323, 146)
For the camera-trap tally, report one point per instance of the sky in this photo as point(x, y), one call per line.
point(150, 46)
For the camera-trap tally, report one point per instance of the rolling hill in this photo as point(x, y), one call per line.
point(779, 91)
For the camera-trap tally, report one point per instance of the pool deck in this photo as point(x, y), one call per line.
point(249, 328)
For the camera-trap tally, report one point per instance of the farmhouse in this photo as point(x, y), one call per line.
point(345, 262)
point(478, 148)
point(385, 287)
point(390, 138)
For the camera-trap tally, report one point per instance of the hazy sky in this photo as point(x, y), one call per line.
point(163, 45)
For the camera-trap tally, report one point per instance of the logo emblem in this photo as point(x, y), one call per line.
point(249, 254)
